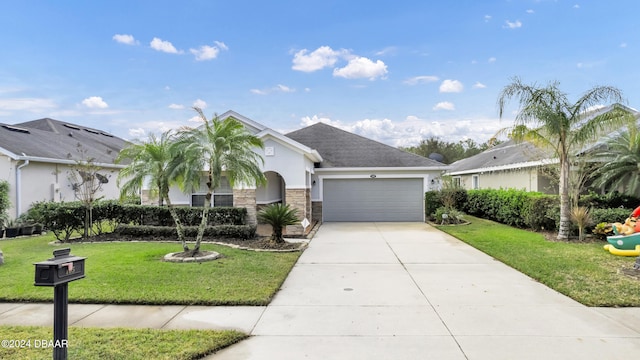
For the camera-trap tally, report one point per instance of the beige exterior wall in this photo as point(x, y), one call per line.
point(299, 199)
point(246, 198)
point(528, 179)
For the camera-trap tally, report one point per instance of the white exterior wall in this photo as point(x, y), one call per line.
point(527, 179)
point(46, 182)
point(289, 163)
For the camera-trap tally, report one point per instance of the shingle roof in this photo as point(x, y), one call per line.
point(58, 140)
point(340, 148)
point(506, 154)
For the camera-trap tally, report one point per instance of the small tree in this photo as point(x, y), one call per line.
point(581, 216)
point(86, 181)
point(5, 203)
point(278, 216)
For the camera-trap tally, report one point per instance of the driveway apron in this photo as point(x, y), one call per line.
point(408, 291)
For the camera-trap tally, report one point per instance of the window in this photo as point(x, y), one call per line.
point(222, 195)
point(457, 181)
point(475, 181)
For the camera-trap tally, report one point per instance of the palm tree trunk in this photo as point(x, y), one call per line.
point(201, 228)
point(565, 209)
point(179, 227)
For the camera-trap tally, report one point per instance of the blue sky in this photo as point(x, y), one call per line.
point(394, 71)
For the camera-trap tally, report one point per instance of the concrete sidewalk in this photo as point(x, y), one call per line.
point(389, 291)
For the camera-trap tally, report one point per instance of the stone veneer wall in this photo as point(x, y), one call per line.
point(316, 213)
point(299, 199)
point(246, 198)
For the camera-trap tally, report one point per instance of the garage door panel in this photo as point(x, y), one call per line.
point(373, 200)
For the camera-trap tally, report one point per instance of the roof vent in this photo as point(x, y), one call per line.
point(71, 126)
point(16, 129)
point(105, 134)
point(92, 131)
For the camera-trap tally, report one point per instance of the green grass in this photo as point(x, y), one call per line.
point(132, 273)
point(582, 271)
point(108, 344)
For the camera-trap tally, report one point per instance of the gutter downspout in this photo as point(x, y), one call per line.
point(19, 187)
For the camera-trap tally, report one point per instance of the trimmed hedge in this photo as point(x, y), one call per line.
point(63, 219)
point(517, 208)
point(218, 231)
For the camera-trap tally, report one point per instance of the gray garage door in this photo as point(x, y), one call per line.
point(372, 200)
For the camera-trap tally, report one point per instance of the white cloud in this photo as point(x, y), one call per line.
point(27, 104)
point(196, 119)
point(451, 86)
point(491, 60)
point(412, 129)
point(444, 105)
point(362, 67)
point(95, 102)
point(206, 52)
point(176, 106)
point(200, 104)
point(623, 45)
point(277, 88)
point(513, 25)
point(576, 6)
point(125, 39)
point(421, 79)
point(487, 18)
point(479, 85)
point(390, 50)
point(530, 11)
point(164, 46)
point(137, 133)
point(320, 58)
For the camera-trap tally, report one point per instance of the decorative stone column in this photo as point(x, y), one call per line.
point(299, 199)
point(246, 198)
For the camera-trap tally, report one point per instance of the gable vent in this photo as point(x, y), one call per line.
point(16, 129)
point(71, 126)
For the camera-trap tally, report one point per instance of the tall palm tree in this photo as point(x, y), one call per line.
point(620, 158)
point(218, 146)
point(548, 119)
point(151, 162)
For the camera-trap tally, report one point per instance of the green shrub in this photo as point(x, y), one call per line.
point(431, 203)
point(169, 232)
point(444, 215)
point(610, 215)
point(517, 208)
point(5, 203)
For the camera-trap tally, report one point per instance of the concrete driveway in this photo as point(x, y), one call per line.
point(407, 291)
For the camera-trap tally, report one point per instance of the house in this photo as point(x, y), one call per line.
point(37, 159)
point(520, 166)
point(329, 174)
point(509, 165)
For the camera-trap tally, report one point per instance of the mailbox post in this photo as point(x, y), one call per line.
point(58, 271)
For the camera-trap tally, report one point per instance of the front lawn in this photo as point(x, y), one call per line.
point(31, 342)
point(132, 273)
point(582, 271)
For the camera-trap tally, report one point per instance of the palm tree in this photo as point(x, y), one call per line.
point(153, 162)
point(278, 216)
point(217, 146)
point(547, 119)
point(620, 161)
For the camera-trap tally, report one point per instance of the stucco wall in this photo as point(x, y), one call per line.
point(529, 179)
point(272, 191)
point(47, 182)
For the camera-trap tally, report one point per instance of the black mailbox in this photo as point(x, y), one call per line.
point(60, 269)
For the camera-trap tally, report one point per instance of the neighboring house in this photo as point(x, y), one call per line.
point(328, 174)
point(509, 165)
point(520, 166)
point(37, 157)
